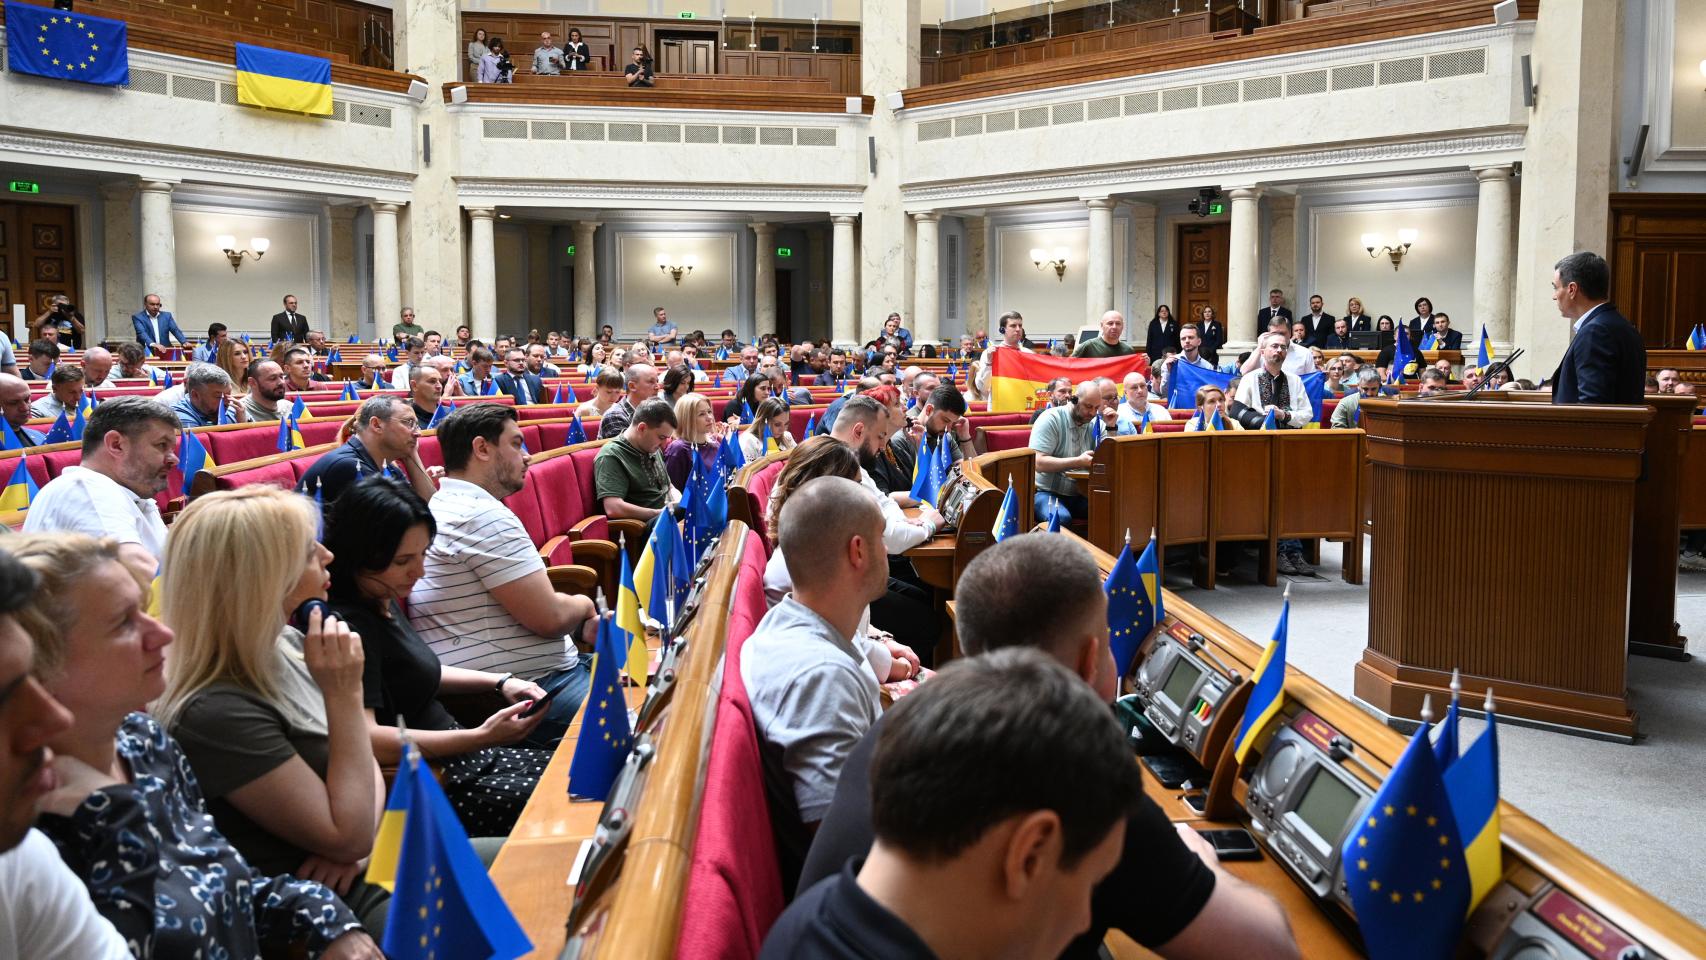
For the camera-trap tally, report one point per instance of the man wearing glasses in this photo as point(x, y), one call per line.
point(384, 441)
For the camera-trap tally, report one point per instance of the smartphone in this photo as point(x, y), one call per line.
point(550, 695)
point(299, 616)
point(1233, 844)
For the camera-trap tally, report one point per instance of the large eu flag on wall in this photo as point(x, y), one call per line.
point(66, 45)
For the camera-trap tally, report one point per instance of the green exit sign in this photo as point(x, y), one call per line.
point(25, 186)
point(784, 251)
point(687, 15)
point(570, 249)
point(1216, 208)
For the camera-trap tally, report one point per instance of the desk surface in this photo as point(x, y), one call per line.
point(532, 869)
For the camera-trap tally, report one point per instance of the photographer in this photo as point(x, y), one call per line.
point(496, 66)
point(67, 318)
point(639, 73)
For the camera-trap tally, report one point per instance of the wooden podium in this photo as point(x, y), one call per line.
point(1505, 532)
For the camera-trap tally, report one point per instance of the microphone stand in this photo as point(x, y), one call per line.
point(1497, 367)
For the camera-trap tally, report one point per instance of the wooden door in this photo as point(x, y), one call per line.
point(686, 54)
point(1199, 274)
point(1658, 264)
point(38, 258)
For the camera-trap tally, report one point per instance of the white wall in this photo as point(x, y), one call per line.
point(1440, 266)
point(208, 289)
point(705, 298)
point(1052, 306)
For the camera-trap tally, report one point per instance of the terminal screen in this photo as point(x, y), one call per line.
point(1180, 682)
point(1325, 806)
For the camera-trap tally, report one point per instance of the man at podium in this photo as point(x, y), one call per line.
point(1606, 361)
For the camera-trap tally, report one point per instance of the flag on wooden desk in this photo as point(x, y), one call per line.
point(281, 80)
point(1269, 680)
point(66, 46)
point(605, 737)
point(1017, 378)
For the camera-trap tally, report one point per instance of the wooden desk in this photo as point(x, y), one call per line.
point(532, 869)
point(934, 558)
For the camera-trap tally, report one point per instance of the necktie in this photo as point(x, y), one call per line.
point(526, 394)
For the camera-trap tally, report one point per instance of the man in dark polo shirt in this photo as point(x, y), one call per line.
point(992, 825)
point(386, 434)
point(628, 474)
point(1168, 892)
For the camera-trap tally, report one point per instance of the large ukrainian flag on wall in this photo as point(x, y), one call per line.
point(284, 81)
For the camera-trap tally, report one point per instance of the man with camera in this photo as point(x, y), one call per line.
point(67, 318)
point(495, 66)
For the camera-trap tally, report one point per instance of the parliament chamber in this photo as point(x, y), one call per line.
point(1360, 213)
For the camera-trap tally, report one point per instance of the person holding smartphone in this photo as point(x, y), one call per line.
point(639, 73)
point(548, 58)
point(576, 54)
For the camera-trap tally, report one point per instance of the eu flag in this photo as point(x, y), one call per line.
point(577, 433)
point(1134, 602)
point(1187, 377)
point(66, 45)
point(927, 470)
point(440, 413)
point(705, 503)
point(1007, 518)
point(605, 737)
point(60, 432)
point(1405, 362)
point(1404, 867)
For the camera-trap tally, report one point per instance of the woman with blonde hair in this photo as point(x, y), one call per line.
point(697, 433)
point(1211, 412)
point(233, 358)
point(771, 416)
point(127, 814)
point(269, 715)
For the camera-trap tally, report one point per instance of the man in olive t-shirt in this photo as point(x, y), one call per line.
point(1112, 341)
point(628, 475)
point(407, 327)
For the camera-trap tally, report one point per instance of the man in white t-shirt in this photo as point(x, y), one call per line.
point(485, 602)
point(1013, 336)
point(129, 446)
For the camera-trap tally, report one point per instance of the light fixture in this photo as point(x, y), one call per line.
point(1041, 258)
point(677, 271)
point(228, 245)
point(1703, 68)
point(1376, 245)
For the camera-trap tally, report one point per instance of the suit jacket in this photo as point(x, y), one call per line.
point(1334, 342)
point(1360, 324)
point(1417, 327)
point(1453, 340)
point(1605, 363)
point(168, 329)
point(512, 385)
point(1264, 315)
point(1319, 331)
point(1161, 339)
point(1213, 338)
point(283, 329)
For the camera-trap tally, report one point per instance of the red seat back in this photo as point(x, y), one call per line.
point(1169, 426)
point(584, 480)
point(758, 494)
point(55, 463)
point(235, 446)
point(551, 436)
point(281, 474)
point(797, 417)
point(525, 504)
point(1006, 439)
point(734, 889)
point(560, 503)
point(316, 432)
point(530, 438)
point(430, 455)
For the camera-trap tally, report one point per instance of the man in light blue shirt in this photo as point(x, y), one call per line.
point(661, 331)
point(208, 352)
point(205, 385)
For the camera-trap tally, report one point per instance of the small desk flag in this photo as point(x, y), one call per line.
point(605, 737)
point(20, 490)
point(1269, 679)
point(1007, 518)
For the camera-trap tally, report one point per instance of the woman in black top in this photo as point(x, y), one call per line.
point(754, 390)
point(379, 534)
point(639, 72)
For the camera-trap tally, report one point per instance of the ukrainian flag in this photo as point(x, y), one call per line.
point(1472, 784)
point(628, 621)
point(1696, 338)
point(663, 571)
point(21, 490)
point(192, 458)
point(284, 81)
point(1269, 679)
point(289, 437)
point(1484, 353)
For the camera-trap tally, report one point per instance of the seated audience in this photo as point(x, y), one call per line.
point(1064, 441)
point(1667, 379)
point(478, 380)
point(127, 815)
point(382, 438)
point(45, 911)
point(1296, 360)
point(270, 716)
point(64, 396)
point(1347, 414)
point(630, 480)
point(234, 358)
point(484, 601)
point(1137, 404)
point(413, 352)
point(15, 402)
point(813, 694)
point(298, 363)
point(941, 423)
point(43, 355)
point(1433, 383)
point(426, 391)
point(768, 432)
point(697, 434)
point(205, 388)
point(97, 365)
point(1056, 393)
point(606, 393)
point(132, 363)
point(379, 536)
point(990, 832)
point(896, 335)
point(1340, 338)
point(1168, 891)
point(676, 382)
point(1300, 334)
point(538, 361)
point(641, 380)
point(267, 387)
point(517, 381)
point(1445, 338)
point(129, 446)
point(1211, 404)
point(1273, 387)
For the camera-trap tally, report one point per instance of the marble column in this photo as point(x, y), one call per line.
point(926, 276)
point(428, 42)
point(343, 317)
point(159, 263)
point(1282, 252)
point(1141, 291)
point(977, 274)
point(118, 216)
point(387, 289)
point(889, 42)
point(586, 279)
point(482, 274)
point(763, 279)
point(1099, 261)
point(1495, 258)
point(844, 291)
point(1243, 271)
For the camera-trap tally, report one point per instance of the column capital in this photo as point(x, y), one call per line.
point(927, 216)
point(844, 219)
point(391, 209)
point(156, 186)
point(1246, 192)
point(1485, 174)
point(482, 213)
point(1101, 203)
point(588, 226)
point(762, 227)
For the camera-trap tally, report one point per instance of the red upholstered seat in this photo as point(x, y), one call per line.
point(530, 438)
point(316, 432)
point(235, 446)
point(301, 465)
point(583, 476)
point(282, 474)
point(430, 455)
point(798, 415)
point(546, 411)
point(551, 436)
point(56, 462)
point(734, 888)
point(1170, 426)
point(525, 504)
point(561, 505)
point(333, 411)
point(995, 440)
point(759, 493)
point(1005, 419)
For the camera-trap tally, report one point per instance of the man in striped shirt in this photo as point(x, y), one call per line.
point(485, 602)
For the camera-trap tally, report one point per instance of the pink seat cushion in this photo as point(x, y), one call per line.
point(228, 447)
point(551, 436)
point(316, 432)
point(525, 504)
point(56, 462)
point(280, 474)
point(734, 889)
point(1006, 439)
point(430, 455)
point(584, 479)
point(759, 496)
point(560, 503)
point(1171, 426)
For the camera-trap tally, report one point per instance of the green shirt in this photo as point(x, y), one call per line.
point(401, 330)
point(1056, 434)
point(628, 473)
point(1097, 348)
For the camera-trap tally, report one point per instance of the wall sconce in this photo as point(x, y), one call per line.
point(228, 244)
point(1375, 244)
point(1041, 258)
point(677, 271)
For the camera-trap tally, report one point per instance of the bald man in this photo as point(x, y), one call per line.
point(15, 401)
point(1112, 341)
point(97, 364)
point(1063, 440)
point(812, 696)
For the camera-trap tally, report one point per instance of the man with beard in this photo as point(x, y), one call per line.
point(129, 446)
point(267, 386)
point(1063, 440)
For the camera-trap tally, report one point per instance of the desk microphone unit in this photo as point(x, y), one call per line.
point(1302, 804)
point(1182, 693)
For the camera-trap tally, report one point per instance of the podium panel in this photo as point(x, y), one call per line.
point(1551, 492)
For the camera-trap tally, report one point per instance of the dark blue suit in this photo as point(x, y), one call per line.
point(1605, 363)
point(1453, 340)
point(507, 383)
point(168, 329)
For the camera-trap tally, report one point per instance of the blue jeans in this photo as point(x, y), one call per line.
point(1069, 508)
point(563, 709)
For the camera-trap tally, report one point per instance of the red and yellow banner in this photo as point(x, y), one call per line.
point(1018, 379)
